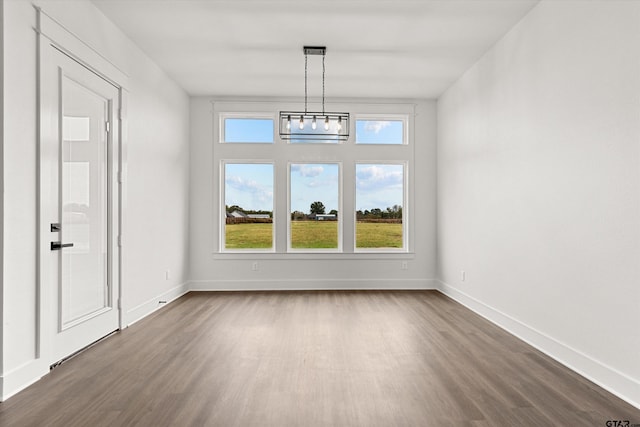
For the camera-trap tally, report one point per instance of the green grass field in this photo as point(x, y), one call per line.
point(249, 236)
point(378, 235)
point(313, 235)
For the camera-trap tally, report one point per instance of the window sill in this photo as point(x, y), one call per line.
point(315, 256)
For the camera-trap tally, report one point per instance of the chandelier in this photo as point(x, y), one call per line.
point(313, 126)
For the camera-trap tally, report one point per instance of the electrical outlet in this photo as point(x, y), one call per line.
point(404, 265)
point(463, 275)
point(254, 266)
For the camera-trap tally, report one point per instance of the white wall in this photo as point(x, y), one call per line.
point(539, 187)
point(19, 169)
point(157, 229)
point(291, 272)
point(1, 180)
point(156, 233)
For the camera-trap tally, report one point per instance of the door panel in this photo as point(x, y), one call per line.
point(83, 194)
point(84, 288)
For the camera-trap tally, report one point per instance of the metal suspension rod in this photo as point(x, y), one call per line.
point(323, 56)
point(305, 83)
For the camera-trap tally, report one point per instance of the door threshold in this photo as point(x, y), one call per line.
point(72, 355)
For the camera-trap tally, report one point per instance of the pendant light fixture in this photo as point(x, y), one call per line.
point(335, 126)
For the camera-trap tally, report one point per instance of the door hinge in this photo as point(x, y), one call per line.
point(119, 304)
point(107, 126)
point(119, 240)
point(119, 177)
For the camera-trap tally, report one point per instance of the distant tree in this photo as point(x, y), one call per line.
point(261, 212)
point(397, 211)
point(333, 212)
point(317, 208)
point(297, 215)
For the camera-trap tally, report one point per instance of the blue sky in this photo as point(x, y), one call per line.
point(262, 130)
point(379, 132)
point(248, 130)
point(251, 186)
point(379, 186)
point(312, 182)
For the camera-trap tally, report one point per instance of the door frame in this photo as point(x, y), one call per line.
point(52, 39)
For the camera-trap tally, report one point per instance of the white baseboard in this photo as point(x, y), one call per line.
point(311, 284)
point(18, 379)
point(141, 311)
point(615, 382)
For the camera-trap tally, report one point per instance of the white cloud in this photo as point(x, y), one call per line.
point(308, 171)
point(376, 126)
point(258, 192)
point(379, 177)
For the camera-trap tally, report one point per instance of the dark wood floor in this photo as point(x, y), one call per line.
point(327, 358)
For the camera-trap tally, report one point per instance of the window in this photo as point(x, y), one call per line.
point(314, 198)
point(248, 210)
point(247, 130)
point(314, 205)
point(379, 202)
point(378, 131)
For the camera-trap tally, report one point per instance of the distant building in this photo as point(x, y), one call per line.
point(236, 214)
point(323, 217)
point(258, 216)
point(240, 214)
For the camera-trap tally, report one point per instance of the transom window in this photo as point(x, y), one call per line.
point(247, 129)
point(381, 130)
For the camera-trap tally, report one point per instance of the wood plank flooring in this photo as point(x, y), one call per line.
point(321, 358)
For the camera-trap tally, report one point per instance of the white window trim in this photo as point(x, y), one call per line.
point(339, 249)
point(405, 207)
point(223, 210)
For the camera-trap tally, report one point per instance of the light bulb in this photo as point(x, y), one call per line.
point(313, 123)
point(326, 123)
point(339, 124)
point(301, 123)
point(289, 122)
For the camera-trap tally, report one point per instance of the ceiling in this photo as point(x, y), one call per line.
point(375, 48)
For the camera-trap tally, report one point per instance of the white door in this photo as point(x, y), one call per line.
point(81, 212)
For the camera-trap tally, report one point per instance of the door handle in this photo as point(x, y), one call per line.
point(56, 246)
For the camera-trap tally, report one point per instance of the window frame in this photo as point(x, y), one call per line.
point(291, 249)
point(405, 207)
point(222, 246)
point(281, 153)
